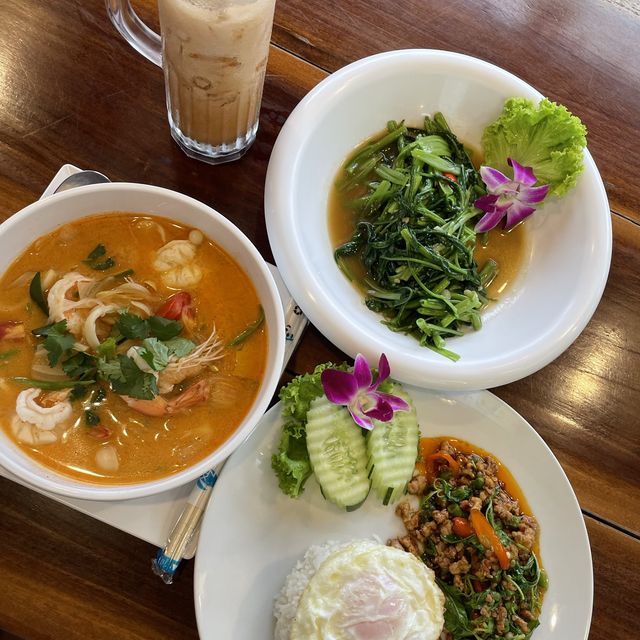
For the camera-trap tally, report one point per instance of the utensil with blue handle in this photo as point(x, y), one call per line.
point(168, 559)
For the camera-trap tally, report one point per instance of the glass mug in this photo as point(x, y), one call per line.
point(214, 56)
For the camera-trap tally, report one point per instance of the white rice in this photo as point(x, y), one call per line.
point(286, 603)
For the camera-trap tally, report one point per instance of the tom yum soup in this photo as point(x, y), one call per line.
point(130, 348)
point(401, 218)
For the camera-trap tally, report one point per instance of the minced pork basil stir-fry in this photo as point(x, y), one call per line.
point(472, 533)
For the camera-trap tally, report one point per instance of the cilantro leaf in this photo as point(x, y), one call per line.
point(53, 327)
point(180, 347)
point(154, 353)
point(107, 349)
point(80, 366)
point(58, 340)
point(109, 369)
point(132, 326)
point(127, 379)
point(163, 328)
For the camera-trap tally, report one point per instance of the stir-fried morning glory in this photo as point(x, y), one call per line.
point(412, 194)
point(359, 393)
point(514, 198)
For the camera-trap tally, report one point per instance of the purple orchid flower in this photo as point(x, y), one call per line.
point(360, 394)
point(511, 198)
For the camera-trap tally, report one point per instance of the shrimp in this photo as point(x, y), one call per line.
point(63, 306)
point(176, 262)
point(44, 411)
point(192, 364)
point(160, 406)
point(89, 325)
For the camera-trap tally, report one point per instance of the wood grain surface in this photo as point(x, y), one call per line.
point(577, 52)
point(73, 91)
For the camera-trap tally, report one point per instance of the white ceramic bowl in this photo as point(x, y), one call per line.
point(47, 214)
point(566, 263)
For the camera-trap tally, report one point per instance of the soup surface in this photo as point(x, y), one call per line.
point(141, 314)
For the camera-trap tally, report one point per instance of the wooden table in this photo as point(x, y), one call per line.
point(72, 91)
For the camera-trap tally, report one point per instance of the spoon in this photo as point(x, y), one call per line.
point(81, 179)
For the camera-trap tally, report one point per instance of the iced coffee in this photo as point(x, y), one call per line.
point(214, 54)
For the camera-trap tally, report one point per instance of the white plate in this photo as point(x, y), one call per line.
point(252, 535)
point(565, 265)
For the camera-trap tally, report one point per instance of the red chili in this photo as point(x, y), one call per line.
point(178, 305)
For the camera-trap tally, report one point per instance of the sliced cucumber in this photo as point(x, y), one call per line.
point(338, 454)
point(393, 447)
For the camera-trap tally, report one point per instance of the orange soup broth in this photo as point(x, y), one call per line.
point(147, 447)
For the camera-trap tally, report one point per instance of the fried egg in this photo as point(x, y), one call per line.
point(368, 591)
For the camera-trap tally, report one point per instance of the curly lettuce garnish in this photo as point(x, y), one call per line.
point(291, 462)
point(545, 137)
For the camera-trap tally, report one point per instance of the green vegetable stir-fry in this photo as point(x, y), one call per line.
point(412, 193)
point(480, 544)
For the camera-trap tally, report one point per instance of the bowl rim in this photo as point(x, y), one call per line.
point(75, 488)
point(280, 213)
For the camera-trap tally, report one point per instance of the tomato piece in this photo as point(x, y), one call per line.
point(176, 306)
point(462, 527)
point(451, 176)
point(100, 432)
point(12, 330)
point(488, 537)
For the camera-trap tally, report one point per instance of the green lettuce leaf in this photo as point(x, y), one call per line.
point(291, 461)
point(546, 137)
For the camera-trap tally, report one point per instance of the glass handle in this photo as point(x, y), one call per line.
point(134, 31)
